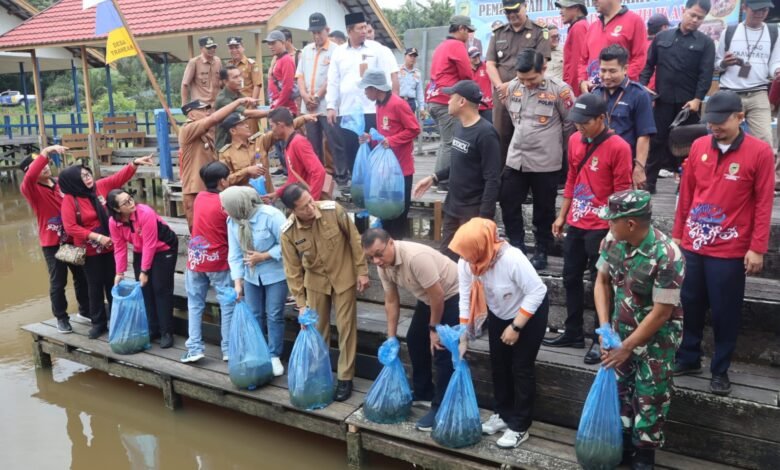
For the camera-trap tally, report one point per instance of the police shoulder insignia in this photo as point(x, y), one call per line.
point(566, 93)
point(329, 205)
point(288, 224)
point(498, 27)
point(224, 147)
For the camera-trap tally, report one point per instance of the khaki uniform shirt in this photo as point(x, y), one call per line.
point(418, 267)
point(250, 75)
point(555, 64)
point(196, 148)
point(224, 98)
point(541, 126)
point(203, 78)
point(325, 256)
point(506, 44)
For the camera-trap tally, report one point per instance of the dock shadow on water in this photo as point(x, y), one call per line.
point(72, 417)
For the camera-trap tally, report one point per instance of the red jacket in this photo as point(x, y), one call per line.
point(207, 251)
point(281, 84)
point(574, 49)
point(481, 77)
point(89, 218)
point(45, 202)
point(449, 65)
point(725, 201)
point(398, 124)
point(146, 231)
point(627, 29)
point(607, 171)
point(302, 160)
point(774, 92)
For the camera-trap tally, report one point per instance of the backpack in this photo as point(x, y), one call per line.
point(772, 36)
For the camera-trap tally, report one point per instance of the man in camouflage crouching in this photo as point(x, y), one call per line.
point(644, 269)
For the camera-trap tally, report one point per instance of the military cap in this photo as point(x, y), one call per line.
point(232, 121)
point(411, 51)
point(207, 42)
point(197, 104)
point(513, 4)
point(234, 41)
point(628, 203)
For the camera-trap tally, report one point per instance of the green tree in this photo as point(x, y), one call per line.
point(413, 15)
point(121, 104)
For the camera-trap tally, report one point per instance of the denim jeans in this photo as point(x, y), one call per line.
point(267, 303)
point(197, 285)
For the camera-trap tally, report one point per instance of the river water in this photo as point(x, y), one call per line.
point(74, 417)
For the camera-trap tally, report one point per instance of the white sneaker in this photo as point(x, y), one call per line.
point(190, 357)
point(276, 365)
point(663, 173)
point(493, 425)
point(512, 439)
point(225, 357)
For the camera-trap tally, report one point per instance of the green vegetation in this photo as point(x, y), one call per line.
point(417, 15)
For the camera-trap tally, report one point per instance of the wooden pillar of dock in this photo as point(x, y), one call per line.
point(94, 160)
point(38, 99)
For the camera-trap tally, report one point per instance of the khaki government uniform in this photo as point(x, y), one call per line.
point(224, 98)
point(505, 45)
point(202, 77)
point(196, 148)
point(250, 75)
point(322, 262)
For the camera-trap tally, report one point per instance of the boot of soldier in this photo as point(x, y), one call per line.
point(628, 450)
point(644, 459)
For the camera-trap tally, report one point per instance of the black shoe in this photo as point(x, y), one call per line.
point(154, 336)
point(343, 390)
point(565, 341)
point(425, 424)
point(686, 369)
point(539, 260)
point(628, 450)
point(166, 341)
point(720, 384)
point(644, 459)
point(593, 356)
point(63, 325)
point(96, 331)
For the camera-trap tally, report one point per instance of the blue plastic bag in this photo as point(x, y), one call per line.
point(599, 444)
point(385, 196)
point(259, 185)
point(389, 400)
point(309, 377)
point(457, 422)
point(249, 362)
point(128, 330)
point(359, 172)
point(354, 121)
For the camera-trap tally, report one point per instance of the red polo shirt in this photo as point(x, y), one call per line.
point(207, 251)
point(607, 171)
point(281, 82)
point(627, 29)
point(301, 160)
point(449, 65)
point(45, 202)
point(399, 126)
point(725, 202)
point(574, 50)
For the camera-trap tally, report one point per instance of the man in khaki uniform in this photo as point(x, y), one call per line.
point(251, 76)
point(324, 264)
point(201, 77)
point(508, 40)
point(230, 93)
point(538, 107)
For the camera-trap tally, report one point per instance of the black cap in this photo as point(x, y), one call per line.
point(354, 18)
point(207, 42)
point(411, 51)
point(25, 165)
point(338, 35)
point(317, 22)
point(467, 89)
point(197, 104)
point(232, 120)
point(720, 106)
point(235, 41)
point(587, 107)
point(759, 4)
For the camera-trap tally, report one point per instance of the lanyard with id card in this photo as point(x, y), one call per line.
point(745, 67)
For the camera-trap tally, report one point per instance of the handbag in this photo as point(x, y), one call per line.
point(328, 185)
point(70, 253)
point(682, 136)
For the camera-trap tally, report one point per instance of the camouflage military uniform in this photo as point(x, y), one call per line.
point(652, 272)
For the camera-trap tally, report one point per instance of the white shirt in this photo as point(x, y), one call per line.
point(510, 284)
point(763, 66)
point(343, 93)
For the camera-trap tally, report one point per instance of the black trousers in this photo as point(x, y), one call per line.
point(514, 189)
point(100, 271)
point(580, 253)
point(58, 280)
point(346, 161)
point(660, 156)
point(514, 382)
point(450, 224)
point(412, 103)
point(397, 227)
point(418, 341)
point(158, 292)
point(315, 132)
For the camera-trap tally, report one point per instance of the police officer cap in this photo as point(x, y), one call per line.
point(467, 89)
point(412, 51)
point(573, 3)
point(586, 108)
point(197, 104)
point(513, 4)
point(234, 41)
point(317, 22)
point(628, 203)
point(207, 42)
point(232, 121)
point(720, 106)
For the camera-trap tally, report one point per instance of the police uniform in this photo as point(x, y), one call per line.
point(322, 262)
point(411, 84)
point(535, 157)
point(504, 47)
point(642, 276)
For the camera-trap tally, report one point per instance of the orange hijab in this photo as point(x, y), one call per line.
point(477, 242)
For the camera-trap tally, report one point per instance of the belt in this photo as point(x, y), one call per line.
point(747, 92)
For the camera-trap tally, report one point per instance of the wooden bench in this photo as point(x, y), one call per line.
point(78, 148)
point(119, 129)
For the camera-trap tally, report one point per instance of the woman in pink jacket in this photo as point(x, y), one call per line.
point(155, 249)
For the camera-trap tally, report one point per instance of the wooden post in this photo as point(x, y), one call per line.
point(94, 159)
point(170, 397)
point(42, 360)
point(355, 454)
point(38, 99)
point(261, 123)
point(190, 47)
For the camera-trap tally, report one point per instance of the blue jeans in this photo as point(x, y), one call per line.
point(267, 304)
point(197, 285)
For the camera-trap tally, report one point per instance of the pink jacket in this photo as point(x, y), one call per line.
point(146, 231)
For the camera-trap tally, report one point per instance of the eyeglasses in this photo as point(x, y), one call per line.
point(377, 255)
point(85, 175)
point(127, 202)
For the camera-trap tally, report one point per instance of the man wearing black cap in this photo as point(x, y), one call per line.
point(574, 13)
point(201, 77)
point(680, 60)
point(251, 76)
point(45, 198)
point(282, 86)
point(508, 40)
point(599, 165)
point(411, 82)
point(475, 165)
point(722, 224)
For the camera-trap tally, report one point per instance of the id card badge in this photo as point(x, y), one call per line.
point(744, 71)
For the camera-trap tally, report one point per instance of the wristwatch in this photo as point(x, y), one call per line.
point(516, 328)
point(434, 178)
point(432, 328)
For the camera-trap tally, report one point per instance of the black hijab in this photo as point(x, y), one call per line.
point(71, 183)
